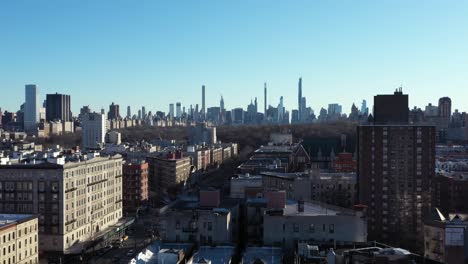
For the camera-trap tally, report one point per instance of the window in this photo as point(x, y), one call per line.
point(41, 186)
point(210, 226)
point(311, 228)
point(331, 228)
point(296, 228)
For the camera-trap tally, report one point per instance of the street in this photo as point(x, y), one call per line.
point(138, 238)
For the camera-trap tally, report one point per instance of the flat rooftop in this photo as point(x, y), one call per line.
point(217, 255)
point(226, 204)
point(269, 255)
point(284, 175)
point(246, 177)
point(276, 149)
point(310, 209)
point(8, 219)
point(150, 255)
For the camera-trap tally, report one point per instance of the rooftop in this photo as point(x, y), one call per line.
point(269, 255)
point(277, 149)
point(246, 177)
point(217, 255)
point(224, 206)
point(150, 254)
point(284, 175)
point(310, 209)
point(11, 219)
point(44, 164)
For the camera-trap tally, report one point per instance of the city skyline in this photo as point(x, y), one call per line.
point(345, 109)
point(367, 48)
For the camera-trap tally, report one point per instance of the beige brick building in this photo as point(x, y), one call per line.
point(75, 202)
point(18, 239)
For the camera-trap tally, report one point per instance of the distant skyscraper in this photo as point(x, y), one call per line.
point(303, 111)
point(143, 112)
point(265, 106)
point(431, 110)
point(256, 105)
point(84, 110)
point(299, 100)
point(178, 110)
point(364, 107)
point(445, 107)
point(31, 108)
point(94, 130)
point(203, 110)
point(237, 116)
point(171, 111)
point(391, 108)
point(114, 112)
point(281, 110)
point(334, 109)
point(196, 114)
point(58, 107)
point(129, 112)
point(221, 104)
point(139, 114)
point(222, 117)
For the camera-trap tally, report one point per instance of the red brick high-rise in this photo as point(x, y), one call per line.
point(396, 166)
point(135, 186)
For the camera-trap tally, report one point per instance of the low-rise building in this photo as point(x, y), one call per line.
point(200, 156)
point(213, 255)
point(208, 221)
point(266, 255)
point(345, 162)
point(19, 239)
point(245, 186)
point(216, 155)
point(276, 158)
point(445, 237)
point(317, 223)
point(335, 188)
point(450, 192)
point(297, 185)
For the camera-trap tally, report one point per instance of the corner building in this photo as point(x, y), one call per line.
point(75, 202)
point(18, 239)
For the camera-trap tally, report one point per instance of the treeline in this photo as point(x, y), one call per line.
point(249, 137)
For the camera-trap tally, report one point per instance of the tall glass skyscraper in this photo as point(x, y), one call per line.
point(31, 108)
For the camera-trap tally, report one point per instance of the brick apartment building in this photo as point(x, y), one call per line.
point(135, 180)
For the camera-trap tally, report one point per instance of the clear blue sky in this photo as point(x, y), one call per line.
point(153, 52)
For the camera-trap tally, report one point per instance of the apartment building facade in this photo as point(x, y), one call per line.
point(135, 180)
point(166, 172)
point(396, 167)
point(75, 202)
point(19, 239)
